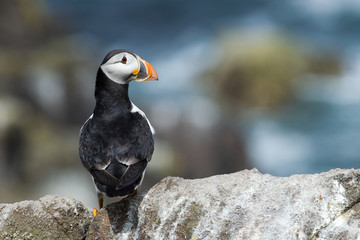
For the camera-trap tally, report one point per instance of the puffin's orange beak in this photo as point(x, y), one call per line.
point(146, 72)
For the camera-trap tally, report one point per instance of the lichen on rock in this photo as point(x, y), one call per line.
point(51, 217)
point(242, 205)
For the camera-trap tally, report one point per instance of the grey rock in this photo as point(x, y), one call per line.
point(51, 217)
point(242, 205)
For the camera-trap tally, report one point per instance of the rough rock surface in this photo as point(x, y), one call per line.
point(242, 205)
point(51, 217)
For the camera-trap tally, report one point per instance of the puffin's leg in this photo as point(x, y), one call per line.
point(134, 193)
point(130, 195)
point(100, 200)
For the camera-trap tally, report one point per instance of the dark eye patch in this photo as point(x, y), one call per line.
point(124, 60)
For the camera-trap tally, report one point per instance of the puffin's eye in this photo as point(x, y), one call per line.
point(124, 60)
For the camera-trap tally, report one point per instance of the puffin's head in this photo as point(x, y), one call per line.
point(123, 66)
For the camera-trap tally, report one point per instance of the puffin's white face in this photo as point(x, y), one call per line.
point(122, 68)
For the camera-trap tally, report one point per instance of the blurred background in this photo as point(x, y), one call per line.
point(268, 84)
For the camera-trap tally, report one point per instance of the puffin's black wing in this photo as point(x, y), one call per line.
point(116, 154)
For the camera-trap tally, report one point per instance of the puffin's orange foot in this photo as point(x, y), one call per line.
point(95, 212)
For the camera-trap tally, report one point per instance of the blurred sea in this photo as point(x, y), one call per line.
point(52, 48)
point(321, 131)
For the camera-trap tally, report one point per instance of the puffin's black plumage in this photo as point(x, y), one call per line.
point(116, 142)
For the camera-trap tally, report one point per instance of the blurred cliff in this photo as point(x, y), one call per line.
point(43, 95)
point(273, 92)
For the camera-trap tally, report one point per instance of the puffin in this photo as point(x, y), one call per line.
point(116, 141)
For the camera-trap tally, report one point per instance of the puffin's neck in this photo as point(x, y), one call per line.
point(112, 99)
